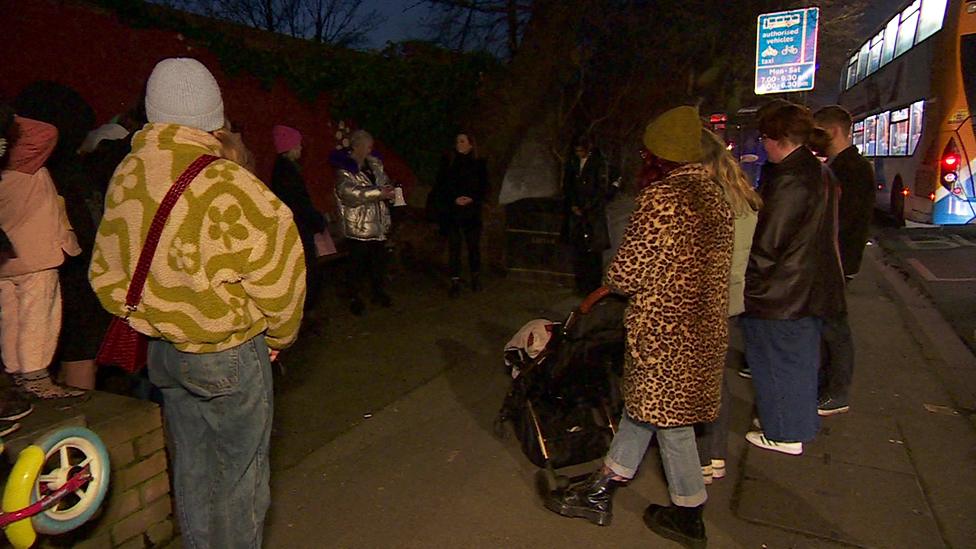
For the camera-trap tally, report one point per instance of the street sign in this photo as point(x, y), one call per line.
point(786, 51)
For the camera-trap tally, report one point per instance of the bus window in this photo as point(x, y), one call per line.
point(876, 45)
point(858, 137)
point(967, 56)
point(931, 19)
point(890, 33)
point(899, 132)
point(852, 72)
point(883, 133)
point(906, 31)
point(870, 136)
point(862, 62)
point(916, 130)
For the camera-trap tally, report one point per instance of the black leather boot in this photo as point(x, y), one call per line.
point(591, 499)
point(455, 289)
point(681, 524)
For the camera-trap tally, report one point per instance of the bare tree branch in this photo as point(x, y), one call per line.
point(338, 22)
point(479, 24)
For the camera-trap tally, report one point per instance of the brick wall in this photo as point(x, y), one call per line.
point(138, 509)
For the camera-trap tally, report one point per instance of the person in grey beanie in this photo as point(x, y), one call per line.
point(224, 293)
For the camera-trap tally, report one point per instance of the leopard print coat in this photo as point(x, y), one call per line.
point(674, 263)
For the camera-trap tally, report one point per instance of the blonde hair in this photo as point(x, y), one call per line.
point(726, 172)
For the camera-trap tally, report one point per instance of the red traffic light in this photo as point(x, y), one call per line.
point(951, 161)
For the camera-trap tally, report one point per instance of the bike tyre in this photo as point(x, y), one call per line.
point(49, 522)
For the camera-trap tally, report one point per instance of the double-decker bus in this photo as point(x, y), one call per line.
point(909, 88)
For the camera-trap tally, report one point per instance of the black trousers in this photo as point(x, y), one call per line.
point(589, 270)
point(471, 235)
point(367, 262)
point(313, 277)
point(837, 358)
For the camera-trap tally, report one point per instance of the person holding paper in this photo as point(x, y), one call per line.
point(363, 192)
point(288, 185)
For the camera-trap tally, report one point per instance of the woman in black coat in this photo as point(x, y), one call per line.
point(289, 186)
point(587, 189)
point(459, 193)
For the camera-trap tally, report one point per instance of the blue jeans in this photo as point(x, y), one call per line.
point(218, 409)
point(678, 454)
point(784, 356)
point(714, 436)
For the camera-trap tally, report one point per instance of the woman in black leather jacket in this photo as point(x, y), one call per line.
point(793, 281)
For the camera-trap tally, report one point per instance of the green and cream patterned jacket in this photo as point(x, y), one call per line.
point(229, 265)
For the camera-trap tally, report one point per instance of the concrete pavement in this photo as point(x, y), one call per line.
point(425, 469)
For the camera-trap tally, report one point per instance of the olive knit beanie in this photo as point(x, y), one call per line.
point(182, 91)
point(675, 135)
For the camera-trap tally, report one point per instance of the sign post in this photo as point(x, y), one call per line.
point(786, 51)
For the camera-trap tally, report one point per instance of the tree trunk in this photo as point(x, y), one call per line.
point(510, 105)
point(512, 21)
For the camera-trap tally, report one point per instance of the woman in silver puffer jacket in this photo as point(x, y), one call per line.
point(362, 191)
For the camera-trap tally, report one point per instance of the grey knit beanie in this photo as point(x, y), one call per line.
point(182, 91)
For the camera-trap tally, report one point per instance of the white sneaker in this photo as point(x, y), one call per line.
point(757, 438)
point(718, 468)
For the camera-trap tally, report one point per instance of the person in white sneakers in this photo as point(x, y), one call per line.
point(745, 203)
point(793, 281)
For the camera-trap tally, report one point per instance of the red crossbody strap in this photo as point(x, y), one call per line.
point(156, 229)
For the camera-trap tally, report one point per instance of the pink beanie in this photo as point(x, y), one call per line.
point(285, 138)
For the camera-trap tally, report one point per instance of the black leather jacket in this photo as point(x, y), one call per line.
point(794, 266)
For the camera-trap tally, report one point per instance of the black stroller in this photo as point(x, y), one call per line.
point(564, 401)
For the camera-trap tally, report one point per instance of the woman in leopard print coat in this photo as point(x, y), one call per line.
point(673, 264)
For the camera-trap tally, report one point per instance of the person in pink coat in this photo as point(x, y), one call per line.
point(33, 217)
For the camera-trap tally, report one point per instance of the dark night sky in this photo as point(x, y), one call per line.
point(403, 21)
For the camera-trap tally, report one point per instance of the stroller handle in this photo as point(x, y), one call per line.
point(593, 298)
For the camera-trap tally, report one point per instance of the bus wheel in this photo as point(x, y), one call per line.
point(898, 202)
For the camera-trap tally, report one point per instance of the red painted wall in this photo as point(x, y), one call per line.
point(108, 63)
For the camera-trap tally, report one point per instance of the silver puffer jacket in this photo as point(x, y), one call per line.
point(365, 216)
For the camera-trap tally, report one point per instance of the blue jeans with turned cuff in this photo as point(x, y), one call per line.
point(218, 409)
point(679, 454)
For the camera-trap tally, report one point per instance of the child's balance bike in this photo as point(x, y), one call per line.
point(55, 486)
